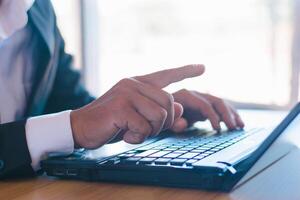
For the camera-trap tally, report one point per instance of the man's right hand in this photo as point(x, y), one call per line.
point(134, 109)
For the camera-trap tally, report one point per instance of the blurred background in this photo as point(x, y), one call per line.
point(251, 48)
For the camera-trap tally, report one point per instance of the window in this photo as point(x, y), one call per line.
point(250, 47)
point(69, 22)
point(245, 45)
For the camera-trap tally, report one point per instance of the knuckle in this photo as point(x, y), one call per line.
point(124, 94)
point(219, 101)
point(161, 114)
point(120, 89)
point(210, 96)
point(127, 83)
point(143, 127)
point(184, 90)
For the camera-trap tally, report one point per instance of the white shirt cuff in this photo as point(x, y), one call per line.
point(49, 134)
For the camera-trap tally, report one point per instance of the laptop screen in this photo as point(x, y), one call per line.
point(246, 165)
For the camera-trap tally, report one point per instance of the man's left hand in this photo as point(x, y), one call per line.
point(199, 107)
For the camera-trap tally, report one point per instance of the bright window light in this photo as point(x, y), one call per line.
point(245, 45)
point(68, 19)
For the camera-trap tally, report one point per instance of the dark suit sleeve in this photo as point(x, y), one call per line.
point(15, 160)
point(67, 92)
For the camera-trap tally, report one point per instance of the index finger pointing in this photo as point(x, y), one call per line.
point(164, 78)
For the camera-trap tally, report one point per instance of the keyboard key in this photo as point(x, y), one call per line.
point(215, 144)
point(159, 154)
point(194, 145)
point(132, 151)
point(162, 161)
point(178, 161)
point(131, 160)
point(166, 144)
point(209, 152)
point(224, 145)
point(215, 150)
point(170, 149)
point(203, 148)
point(188, 155)
point(197, 151)
point(145, 148)
point(146, 160)
point(201, 142)
point(179, 152)
point(158, 148)
point(146, 153)
point(112, 160)
point(178, 146)
point(190, 162)
point(199, 157)
point(186, 148)
point(172, 155)
point(126, 155)
point(209, 145)
point(229, 142)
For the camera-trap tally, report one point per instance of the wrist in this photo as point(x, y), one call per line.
point(76, 127)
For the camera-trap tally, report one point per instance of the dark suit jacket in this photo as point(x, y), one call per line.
point(56, 87)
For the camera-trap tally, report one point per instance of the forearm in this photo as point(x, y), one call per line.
point(15, 158)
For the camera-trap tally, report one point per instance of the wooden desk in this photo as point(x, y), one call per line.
point(49, 188)
point(270, 184)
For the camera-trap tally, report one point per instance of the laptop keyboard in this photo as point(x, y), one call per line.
point(180, 151)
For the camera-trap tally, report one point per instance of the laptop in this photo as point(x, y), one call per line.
point(193, 159)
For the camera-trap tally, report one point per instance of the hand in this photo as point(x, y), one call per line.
point(134, 109)
point(199, 107)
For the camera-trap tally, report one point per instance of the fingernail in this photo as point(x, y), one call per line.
point(199, 67)
point(179, 125)
point(218, 129)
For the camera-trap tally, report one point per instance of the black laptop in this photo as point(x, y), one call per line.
point(194, 159)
